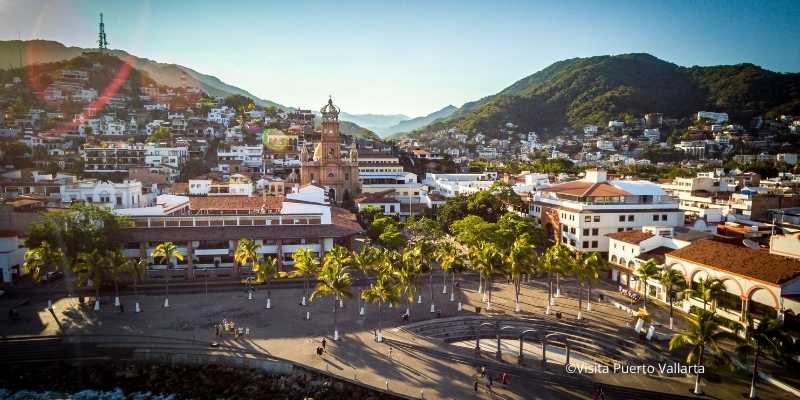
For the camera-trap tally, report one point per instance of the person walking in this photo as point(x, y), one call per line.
point(483, 371)
point(324, 343)
point(390, 353)
point(475, 385)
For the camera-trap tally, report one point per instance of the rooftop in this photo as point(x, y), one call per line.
point(757, 264)
point(582, 188)
point(236, 203)
point(632, 237)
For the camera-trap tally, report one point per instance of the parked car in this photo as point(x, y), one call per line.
point(52, 276)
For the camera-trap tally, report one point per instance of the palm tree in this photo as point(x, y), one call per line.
point(707, 290)
point(592, 266)
point(484, 260)
point(426, 252)
point(165, 252)
point(407, 273)
point(366, 261)
point(446, 254)
point(704, 333)
point(264, 271)
point(579, 262)
point(246, 252)
point(135, 268)
point(307, 264)
point(554, 260)
point(380, 292)
point(521, 259)
point(646, 271)
point(671, 280)
point(94, 267)
point(768, 338)
point(334, 280)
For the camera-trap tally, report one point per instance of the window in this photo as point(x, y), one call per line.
point(586, 232)
point(585, 244)
point(621, 218)
point(655, 217)
point(595, 231)
point(572, 230)
point(620, 229)
point(587, 218)
point(630, 218)
point(572, 242)
point(663, 217)
point(594, 244)
point(628, 229)
point(596, 218)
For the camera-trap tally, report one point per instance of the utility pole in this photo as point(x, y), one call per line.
point(102, 43)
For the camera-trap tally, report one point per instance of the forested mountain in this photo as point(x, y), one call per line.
point(419, 122)
point(579, 91)
point(375, 122)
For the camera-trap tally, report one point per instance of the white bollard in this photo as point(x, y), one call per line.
point(670, 323)
point(166, 303)
point(517, 308)
point(335, 334)
point(588, 306)
point(419, 299)
point(308, 315)
point(341, 303)
point(137, 308)
point(97, 305)
point(391, 305)
point(387, 385)
point(547, 310)
point(650, 331)
point(552, 301)
point(639, 325)
point(580, 316)
point(380, 337)
point(361, 311)
point(558, 292)
point(452, 297)
point(444, 289)
point(49, 304)
point(269, 303)
point(460, 307)
point(116, 301)
point(303, 301)
point(433, 308)
point(249, 295)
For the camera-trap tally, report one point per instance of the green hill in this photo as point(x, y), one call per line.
point(415, 123)
point(15, 53)
point(579, 91)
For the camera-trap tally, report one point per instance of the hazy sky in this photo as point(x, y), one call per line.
point(406, 56)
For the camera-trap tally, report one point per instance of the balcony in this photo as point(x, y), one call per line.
point(226, 220)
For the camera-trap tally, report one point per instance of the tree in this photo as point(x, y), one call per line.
point(368, 214)
point(367, 261)
point(521, 259)
point(406, 272)
point(707, 290)
point(671, 280)
point(160, 134)
point(40, 260)
point(704, 333)
point(134, 268)
point(334, 280)
point(473, 229)
point(556, 259)
point(92, 269)
point(246, 252)
point(165, 252)
point(484, 259)
point(265, 270)
point(768, 338)
point(591, 272)
point(307, 264)
point(446, 254)
point(646, 271)
point(381, 291)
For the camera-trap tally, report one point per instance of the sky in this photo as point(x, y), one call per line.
point(409, 57)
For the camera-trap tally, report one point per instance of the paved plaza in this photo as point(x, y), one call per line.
point(419, 364)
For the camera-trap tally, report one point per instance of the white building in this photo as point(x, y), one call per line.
point(156, 156)
point(12, 256)
point(237, 185)
point(126, 194)
point(451, 185)
point(590, 130)
point(713, 116)
point(581, 213)
point(251, 156)
point(708, 190)
point(653, 135)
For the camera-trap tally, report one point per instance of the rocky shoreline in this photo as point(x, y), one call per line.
point(180, 381)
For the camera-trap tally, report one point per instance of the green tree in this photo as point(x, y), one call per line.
point(307, 264)
point(93, 269)
point(591, 270)
point(246, 252)
point(334, 281)
point(406, 272)
point(42, 259)
point(265, 270)
point(671, 280)
point(165, 252)
point(484, 258)
point(380, 292)
point(160, 134)
point(707, 290)
point(447, 254)
point(556, 260)
point(704, 334)
point(521, 259)
point(646, 271)
point(767, 338)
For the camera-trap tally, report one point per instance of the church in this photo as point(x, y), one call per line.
point(326, 167)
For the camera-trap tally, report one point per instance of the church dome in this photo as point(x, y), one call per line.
point(330, 111)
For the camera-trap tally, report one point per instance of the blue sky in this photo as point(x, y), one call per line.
point(410, 57)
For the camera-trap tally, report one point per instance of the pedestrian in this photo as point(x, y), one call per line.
point(475, 385)
point(490, 380)
point(504, 378)
point(390, 353)
point(324, 343)
point(319, 351)
point(121, 308)
point(216, 330)
point(483, 371)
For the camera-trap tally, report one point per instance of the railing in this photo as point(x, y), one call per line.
point(671, 203)
point(226, 220)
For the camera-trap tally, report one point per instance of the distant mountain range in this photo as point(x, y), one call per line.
point(416, 123)
point(594, 90)
point(395, 124)
point(375, 122)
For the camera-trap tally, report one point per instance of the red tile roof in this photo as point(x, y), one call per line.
point(739, 260)
point(233, 203)
point(632, 237)
point(586, 189)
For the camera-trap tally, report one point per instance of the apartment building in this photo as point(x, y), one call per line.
point(251, 156)
point(125, 194)
point(581, 213)
point(112, 157)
